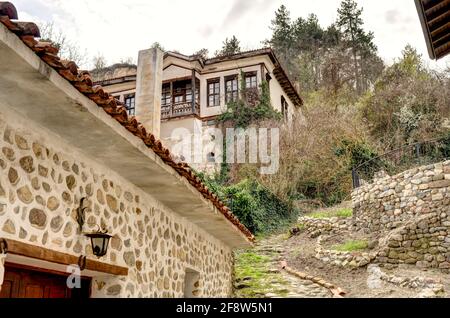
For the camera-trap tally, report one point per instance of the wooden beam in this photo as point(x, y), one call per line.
point(193, 88)
point(44, 254)
point(171, 100)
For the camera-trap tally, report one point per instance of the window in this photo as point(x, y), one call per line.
point(178, 93)
point(214, 92)
point(166, 97)
point(231, 89)
point(251, 80)
point(178, 99)
point(284, 108)
point(130, 104)
point(188, 93)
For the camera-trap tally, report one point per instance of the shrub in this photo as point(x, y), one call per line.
point(255, 206)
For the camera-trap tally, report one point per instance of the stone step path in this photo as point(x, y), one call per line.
point(293, 287)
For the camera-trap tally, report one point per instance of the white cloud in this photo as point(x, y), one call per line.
point(119, 28)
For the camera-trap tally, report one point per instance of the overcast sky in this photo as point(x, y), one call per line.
point(120, 28)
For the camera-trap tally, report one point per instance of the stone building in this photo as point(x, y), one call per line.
point(67, 147)
point(215, 81)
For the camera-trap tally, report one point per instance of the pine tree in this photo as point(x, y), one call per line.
point(351, 24)
point(282, 37)
point(230, 47)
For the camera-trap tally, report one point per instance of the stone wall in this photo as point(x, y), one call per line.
point(342, 258)
point(390, 201)
point(316, 227)
point(410, 212)
point(42, 180)
point(424, 242)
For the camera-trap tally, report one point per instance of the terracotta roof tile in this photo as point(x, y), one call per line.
point(82, 81)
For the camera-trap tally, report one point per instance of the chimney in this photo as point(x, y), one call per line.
point(149, 89)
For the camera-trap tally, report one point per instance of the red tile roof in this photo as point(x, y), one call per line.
point(82, 81)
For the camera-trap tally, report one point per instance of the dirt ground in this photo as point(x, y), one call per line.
point(299, 253)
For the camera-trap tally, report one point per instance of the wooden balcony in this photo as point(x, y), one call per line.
point(179, 110)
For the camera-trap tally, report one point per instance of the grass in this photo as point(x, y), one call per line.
point(351, 246)
point(252, 271)
point(342, 213)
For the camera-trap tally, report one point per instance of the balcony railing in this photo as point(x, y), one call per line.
point(179, 110)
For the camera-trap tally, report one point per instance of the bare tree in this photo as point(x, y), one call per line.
point(67, 49)
point(127, 60)
point(99, 62)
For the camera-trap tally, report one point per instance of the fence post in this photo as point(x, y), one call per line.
point(355, 178)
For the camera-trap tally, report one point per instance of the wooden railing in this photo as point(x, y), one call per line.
point(179, 110)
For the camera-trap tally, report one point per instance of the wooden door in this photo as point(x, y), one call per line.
point(23, 282)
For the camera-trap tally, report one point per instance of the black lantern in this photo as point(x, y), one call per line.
point(99, 242)
point(99, 239)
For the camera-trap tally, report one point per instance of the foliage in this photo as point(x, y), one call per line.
point(255, 206)
point(341, 56)
point(362, 156)
point(229, 47)
point(250, 108)
point(409, 103)
point(342, 213)
point(310, 165)
point(203, 53)
point(157, 45)
point(351, 246)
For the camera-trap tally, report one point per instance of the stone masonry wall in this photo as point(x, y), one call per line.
point(42, 180)
point(424, 242)
point(390, 201)
point(411, 213)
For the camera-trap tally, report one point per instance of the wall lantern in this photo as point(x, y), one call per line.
point(99, 242)
point(99, 239)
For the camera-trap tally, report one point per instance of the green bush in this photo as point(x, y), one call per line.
point(255, 206)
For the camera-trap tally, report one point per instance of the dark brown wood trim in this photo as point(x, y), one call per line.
point(209, 117)
point(44, 254)
point(263, 75)
point(37, 269)
point(177, 79)
point(206, 72)
point(181, 66)
point(165, 120)
point(228, 69)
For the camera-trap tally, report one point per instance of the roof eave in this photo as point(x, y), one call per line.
point(425, 30)
point(81, 122)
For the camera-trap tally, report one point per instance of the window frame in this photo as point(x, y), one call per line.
point(254, 75)
point(166, 96)
point(130, 110)
point(215, 95)
point(234, 93)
